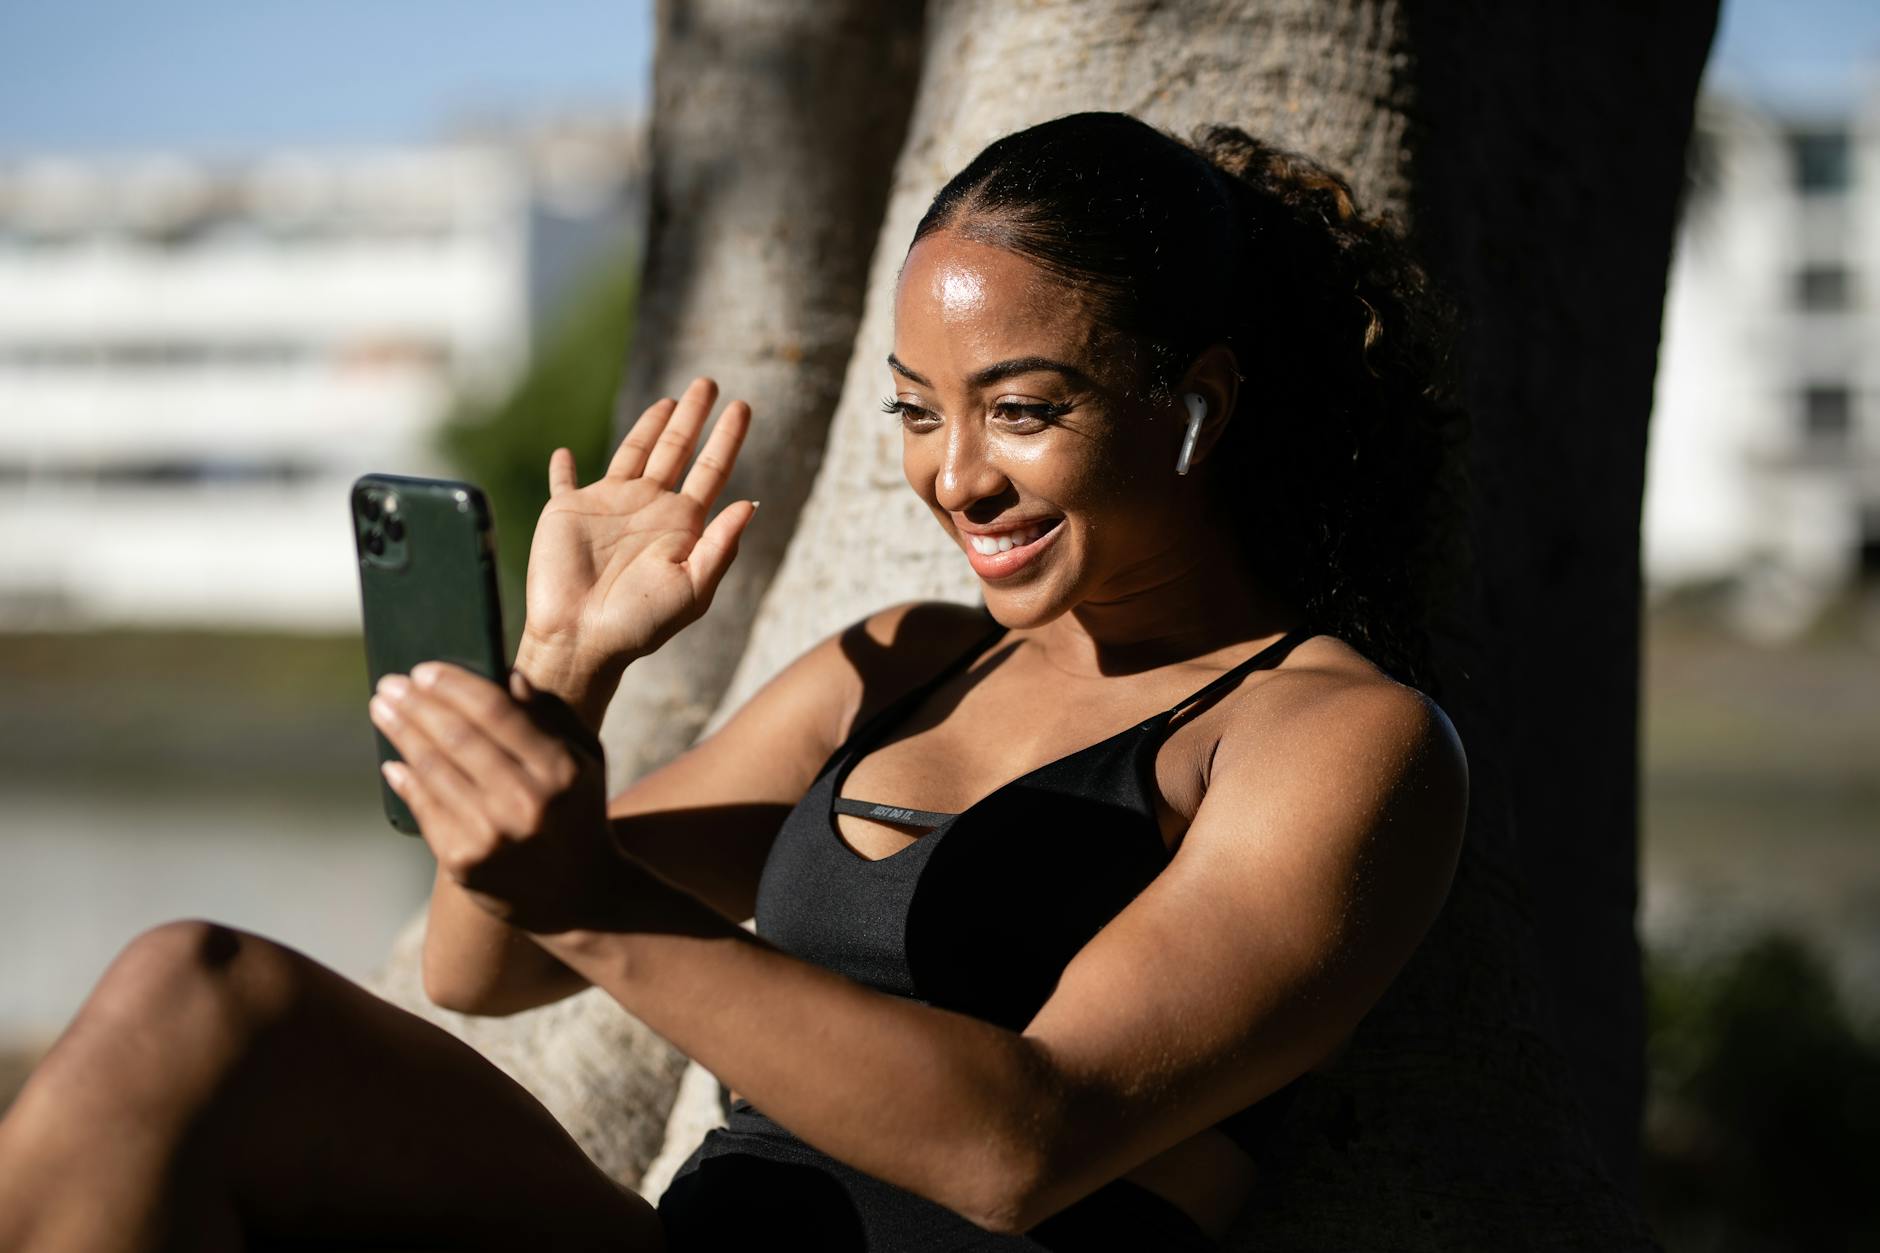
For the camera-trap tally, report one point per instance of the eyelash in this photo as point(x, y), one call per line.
point(1043, 412)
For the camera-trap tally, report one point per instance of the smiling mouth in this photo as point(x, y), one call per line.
point(1005, 542)
point(995, 556)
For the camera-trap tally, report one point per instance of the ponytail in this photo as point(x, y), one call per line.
point(1348, 484)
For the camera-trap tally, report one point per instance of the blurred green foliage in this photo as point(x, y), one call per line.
point(1764, 1127)
point(565, 399)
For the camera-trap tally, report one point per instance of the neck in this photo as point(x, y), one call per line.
point(1183, 603)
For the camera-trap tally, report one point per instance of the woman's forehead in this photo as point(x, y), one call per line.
point(984, 299)
point(960, 275)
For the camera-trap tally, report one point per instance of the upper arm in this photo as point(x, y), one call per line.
point(706, 819)
point(1318, 858)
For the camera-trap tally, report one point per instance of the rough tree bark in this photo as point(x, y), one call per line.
point(771, 152)
point(1493, 1098)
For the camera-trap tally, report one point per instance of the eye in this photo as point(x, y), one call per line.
point(911, 415)
point(1031, 415)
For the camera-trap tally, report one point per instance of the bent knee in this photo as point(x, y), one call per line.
point(199, 974)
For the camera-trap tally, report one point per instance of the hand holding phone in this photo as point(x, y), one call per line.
point(427, 584)
point(511, 794)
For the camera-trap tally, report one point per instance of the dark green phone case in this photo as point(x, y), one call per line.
point(427, 587)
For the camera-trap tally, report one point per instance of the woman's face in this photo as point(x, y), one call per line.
point(1021, 434)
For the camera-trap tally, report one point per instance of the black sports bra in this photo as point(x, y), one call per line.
point(982, 914)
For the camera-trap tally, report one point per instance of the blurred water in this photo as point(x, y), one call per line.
point(84, 869)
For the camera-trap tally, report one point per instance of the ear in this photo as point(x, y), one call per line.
point(1215, 377)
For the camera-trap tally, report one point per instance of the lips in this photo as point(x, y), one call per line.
point(1038, 536)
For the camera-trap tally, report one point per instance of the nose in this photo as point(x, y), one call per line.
point(968, 471)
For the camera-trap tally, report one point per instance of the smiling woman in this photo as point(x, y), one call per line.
point(1056, 899)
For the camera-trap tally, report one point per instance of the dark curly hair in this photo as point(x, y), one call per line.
point(1342, 473)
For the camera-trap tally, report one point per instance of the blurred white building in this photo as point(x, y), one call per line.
point(1763, 475)
point(196, 359)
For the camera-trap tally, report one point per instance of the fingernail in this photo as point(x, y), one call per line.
point(425, 673)
point(394, 686)
point(382, 711)
point(756, 503)
point(394, 773)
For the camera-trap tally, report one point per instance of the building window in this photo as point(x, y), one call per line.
point(1821, 160)
point(1827, 411)
point(1870, 545)
point(1824, 287)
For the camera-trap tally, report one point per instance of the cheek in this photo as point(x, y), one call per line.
point(917, 467)
point(1118, 471)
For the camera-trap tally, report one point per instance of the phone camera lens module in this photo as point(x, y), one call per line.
point(369, 506)
point(375, 543)
point(394, 530)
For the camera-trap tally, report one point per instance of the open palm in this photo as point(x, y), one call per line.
point(620, 566)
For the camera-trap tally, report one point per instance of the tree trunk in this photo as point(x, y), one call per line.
point(1546, 185)
point(1537, 156)
point(772, 142)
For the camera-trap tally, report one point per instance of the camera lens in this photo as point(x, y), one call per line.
point(394, 530)
point(375, 543)
point(369, 506)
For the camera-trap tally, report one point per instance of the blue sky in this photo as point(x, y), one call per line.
point(227, 76)
point(1801, 53)
point(237, 75)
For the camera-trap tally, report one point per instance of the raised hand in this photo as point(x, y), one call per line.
point(620, 566)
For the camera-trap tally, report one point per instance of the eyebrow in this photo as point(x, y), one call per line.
point(1000, 370)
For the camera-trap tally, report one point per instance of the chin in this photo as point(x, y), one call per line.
point(1023, 608)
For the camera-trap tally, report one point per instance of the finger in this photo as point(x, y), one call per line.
point(630, 458)
point(502, 718)
point(561, 473)
point(674, 446)
point(442, 831)
point(418, 799)
point(452, 798)
point(500, 787)
point(708, 474)
point(717, 547)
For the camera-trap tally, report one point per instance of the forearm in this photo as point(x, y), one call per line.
point(943, 1104)
point(474, 962)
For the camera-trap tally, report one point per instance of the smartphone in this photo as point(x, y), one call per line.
point(427, 587)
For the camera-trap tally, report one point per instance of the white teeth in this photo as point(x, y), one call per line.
point(991, 545)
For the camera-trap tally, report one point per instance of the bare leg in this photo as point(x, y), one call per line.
point(219, 1088)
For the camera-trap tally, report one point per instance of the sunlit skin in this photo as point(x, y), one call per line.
point(1313, 817)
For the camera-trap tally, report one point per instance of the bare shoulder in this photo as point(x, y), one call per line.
point(911, 635)
point(814, 699)
point(1328, 728)
point(879, 657)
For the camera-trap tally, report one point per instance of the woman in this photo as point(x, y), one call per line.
point(1055, 898)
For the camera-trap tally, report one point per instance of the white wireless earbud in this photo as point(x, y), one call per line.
point(1197, 410)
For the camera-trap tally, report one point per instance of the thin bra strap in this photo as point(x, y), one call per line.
point(1283, 645)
